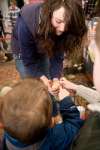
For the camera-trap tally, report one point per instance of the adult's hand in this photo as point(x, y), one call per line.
point(48, 84)
point(55, 86)
point(62, 93)
point(45, 80)
point(68, 84)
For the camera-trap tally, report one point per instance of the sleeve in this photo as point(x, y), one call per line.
point(9, 18)
point(70, 112)
point(56, 65)
point(28, 47)
point(89, 94)
point(64, 133)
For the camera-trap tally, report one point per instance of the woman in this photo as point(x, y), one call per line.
point(91, 95)
point(42, 34)
point(89, 136)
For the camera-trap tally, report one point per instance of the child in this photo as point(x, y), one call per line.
point(26, 114)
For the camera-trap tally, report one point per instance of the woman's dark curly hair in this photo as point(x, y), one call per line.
point(74, 30)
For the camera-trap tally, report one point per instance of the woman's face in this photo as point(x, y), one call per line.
point(58, 20)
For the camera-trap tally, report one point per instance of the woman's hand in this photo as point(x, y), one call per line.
point(55, 87)
point(68, 84)
point(49, 84)
point(62, 93)
point(45, 80)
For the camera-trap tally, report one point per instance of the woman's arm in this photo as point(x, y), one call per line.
point(92, 96)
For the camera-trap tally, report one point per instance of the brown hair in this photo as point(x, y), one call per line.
point(13, 2)
point(74, 30)
point(26, 111)
point(97, 39)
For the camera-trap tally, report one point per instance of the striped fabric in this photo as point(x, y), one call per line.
point(89, 6)
point(12, 16)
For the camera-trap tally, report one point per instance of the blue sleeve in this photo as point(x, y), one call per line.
point(28, 47)
point(56, 65)
point(63, 134)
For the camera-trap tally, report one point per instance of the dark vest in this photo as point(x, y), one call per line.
point(30, 15)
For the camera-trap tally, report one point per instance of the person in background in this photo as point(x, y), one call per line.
point(92, 96)
point(3, 44)
point(2, 32)
point(89, 135)
point(13, 13)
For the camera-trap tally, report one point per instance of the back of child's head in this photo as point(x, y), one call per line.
point(98, 35)
point(26, 111)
